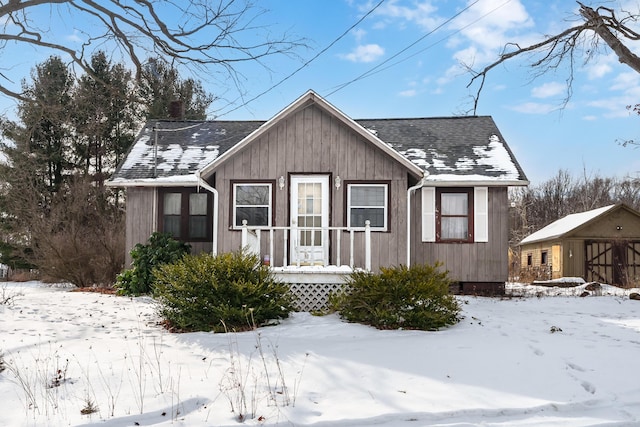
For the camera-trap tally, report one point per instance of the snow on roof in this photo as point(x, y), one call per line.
point(166, 150)
point(565, 225)
point(496, 156)
point(453, 150)
point(171, 156)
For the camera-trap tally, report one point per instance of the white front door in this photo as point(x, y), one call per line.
point(309, 212)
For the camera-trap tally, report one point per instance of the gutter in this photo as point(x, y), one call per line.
point(410, 191)
point(202, 183)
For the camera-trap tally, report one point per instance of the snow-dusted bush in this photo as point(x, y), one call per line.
point(399, 297)
point(160, 249)
point(227, 292)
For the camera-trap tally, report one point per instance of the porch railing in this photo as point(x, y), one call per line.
point(252, 240)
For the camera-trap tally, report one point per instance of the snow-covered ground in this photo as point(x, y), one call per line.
point(550, 359)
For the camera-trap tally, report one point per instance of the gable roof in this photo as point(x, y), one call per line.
point(567, 224)
point(304, 101)
point(455, 150)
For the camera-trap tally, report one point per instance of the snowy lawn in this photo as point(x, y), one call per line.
point(545, 360)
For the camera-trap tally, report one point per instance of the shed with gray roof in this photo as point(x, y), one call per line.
point(600, 245)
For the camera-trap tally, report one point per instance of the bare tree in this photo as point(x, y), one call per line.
point(578, 43)
point(211, 36)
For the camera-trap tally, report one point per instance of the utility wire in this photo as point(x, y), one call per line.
point(439, 41)
point(369, 72)
point(308, 62)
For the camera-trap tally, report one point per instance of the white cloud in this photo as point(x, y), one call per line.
point(627, 92)
point(534, 108)
point(486, 28)
point(421, 13)
point(627, 81)
point(75, 37)
point(600, 66)
point(490, 24)
point(547, 90)
point(590, 118)
point(450, 74)
point(408, 93)
point(365, 53)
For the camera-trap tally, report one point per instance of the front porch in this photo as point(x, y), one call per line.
point(308, 246)
point(305, 263)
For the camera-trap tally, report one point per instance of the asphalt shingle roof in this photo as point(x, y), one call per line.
point(448, 148)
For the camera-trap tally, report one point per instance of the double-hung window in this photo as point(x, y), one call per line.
point(368, 201)
point(185, 213)
point(253, 202)
point(455, 219)
point(455, 215)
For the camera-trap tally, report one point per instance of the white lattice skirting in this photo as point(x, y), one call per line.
point(313, 296)
point(312, 286)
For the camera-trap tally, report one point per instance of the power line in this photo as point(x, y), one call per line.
point(369, 72)
point(309, 61)
point(441, 40)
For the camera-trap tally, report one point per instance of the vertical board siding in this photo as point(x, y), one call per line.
point(140, 217)
point(312, 141)
point(468, 262)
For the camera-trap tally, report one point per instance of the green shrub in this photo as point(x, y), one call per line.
point(160, 249)
point(399, 297)
point(227, 292)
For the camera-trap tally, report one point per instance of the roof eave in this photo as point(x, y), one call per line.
point(152, 183)
point(432, 181)
point(544, 239)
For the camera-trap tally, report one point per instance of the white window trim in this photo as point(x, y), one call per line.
point(386, 204)
point(480, 214)
point(235, 206)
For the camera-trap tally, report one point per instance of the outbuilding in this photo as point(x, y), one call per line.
point(601, 245)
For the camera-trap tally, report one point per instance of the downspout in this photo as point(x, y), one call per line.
point(410, 191)
point(202, 183)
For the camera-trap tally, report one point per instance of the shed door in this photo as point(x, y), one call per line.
point(309, 212)
point(613, 262)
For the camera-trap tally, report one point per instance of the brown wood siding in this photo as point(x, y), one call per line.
point(312, 141)
point(468, 262)
point(140, 217)
point(618, 225)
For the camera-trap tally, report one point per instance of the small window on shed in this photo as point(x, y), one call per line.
point(529, 260)
point(543, 258)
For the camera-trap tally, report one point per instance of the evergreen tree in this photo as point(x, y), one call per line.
point(104, 117)
point(44, 133)
point(162, 89)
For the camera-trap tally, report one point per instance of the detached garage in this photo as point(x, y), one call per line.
point(601, 245)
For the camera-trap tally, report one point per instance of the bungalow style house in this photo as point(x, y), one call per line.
point(600, 245)
point(312, 188)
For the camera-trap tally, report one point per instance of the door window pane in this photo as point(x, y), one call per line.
point(310, 213)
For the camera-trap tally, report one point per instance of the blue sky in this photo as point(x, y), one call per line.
point(427, 78)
